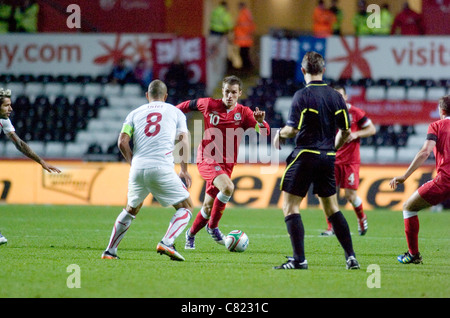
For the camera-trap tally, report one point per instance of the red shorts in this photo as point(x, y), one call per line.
point(209, 171)
point(347, 176)
point(435, 191)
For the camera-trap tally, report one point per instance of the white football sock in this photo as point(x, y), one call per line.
point(357, 202)
point(177, 224)
point(121, 226)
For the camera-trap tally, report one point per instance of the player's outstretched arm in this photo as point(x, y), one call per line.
point(418, 160)
point(24, 148)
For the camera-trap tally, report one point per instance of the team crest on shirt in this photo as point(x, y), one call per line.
point(218, 168)
point(237, 116)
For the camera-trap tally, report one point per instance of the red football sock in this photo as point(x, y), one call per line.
point(218, 207)
point(216, 213)
point(358, 208)
point(198, 224)
point(412, 234)
point(329, 226)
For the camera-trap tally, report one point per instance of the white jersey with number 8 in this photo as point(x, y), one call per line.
point(154, 128)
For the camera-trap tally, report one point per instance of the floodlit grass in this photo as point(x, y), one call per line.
point(43, 241)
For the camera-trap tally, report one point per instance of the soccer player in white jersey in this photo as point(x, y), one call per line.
point(8, 129)
point(154, 128)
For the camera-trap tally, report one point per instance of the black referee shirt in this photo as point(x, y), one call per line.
point(318, 111)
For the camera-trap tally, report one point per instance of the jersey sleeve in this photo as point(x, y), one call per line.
point(128, 126)
point(7, 126)
point(432, 133)
point(361, 119)
point(200, 104)
point(342, 116)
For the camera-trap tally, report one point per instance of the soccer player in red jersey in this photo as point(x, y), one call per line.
point(433, 192)
point(348, 162)
point(225, 121)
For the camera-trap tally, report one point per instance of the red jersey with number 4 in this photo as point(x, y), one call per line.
point(349, 152)
point(439, 131)
point(223, 129)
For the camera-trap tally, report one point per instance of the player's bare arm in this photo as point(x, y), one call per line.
point(184, 158)
point(283, 134)
point(124, 146)
point(24, 148)
point(418, 160)
point(365, 132)
point(341, 138)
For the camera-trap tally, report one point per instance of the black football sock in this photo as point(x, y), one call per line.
point(342, 231)
point(296, 232)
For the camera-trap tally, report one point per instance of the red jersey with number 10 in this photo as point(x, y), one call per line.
point(223, 129)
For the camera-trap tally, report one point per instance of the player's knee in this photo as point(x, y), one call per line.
point(228, 189)
point(350, 197)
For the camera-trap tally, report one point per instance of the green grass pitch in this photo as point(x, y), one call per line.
point(45, 241)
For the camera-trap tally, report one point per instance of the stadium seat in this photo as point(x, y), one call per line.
point(396, 93)
point(11, 151)
point(33, 89)
point(406, 154)
point(367, 154)
point(53, 89)
point(54, 150)
point(416, 141)
point(75, 150)
point(16, 88)
point(93, 90)
point(117, 101)
point(136, 90)
point(434, 93)
point(386, 154)
point(282, 105)
point(416, 93)
point(376, 93)
point(110, 89)
point(73, 89)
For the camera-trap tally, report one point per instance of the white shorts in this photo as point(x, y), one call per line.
point(162, 182)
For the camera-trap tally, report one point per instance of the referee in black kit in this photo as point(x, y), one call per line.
point(316, 114)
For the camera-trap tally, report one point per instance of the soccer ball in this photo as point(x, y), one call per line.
point(236, 241)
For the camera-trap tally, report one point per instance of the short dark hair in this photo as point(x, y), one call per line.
point(313, 63)
point(232, 80)
point(338, 87)
point(157, 89)
point(444, 104)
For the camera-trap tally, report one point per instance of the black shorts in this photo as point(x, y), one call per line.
point(306, 167)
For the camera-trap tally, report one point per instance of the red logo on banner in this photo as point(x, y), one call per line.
point(190, 51)
point(139, 51)
point(354, 59)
